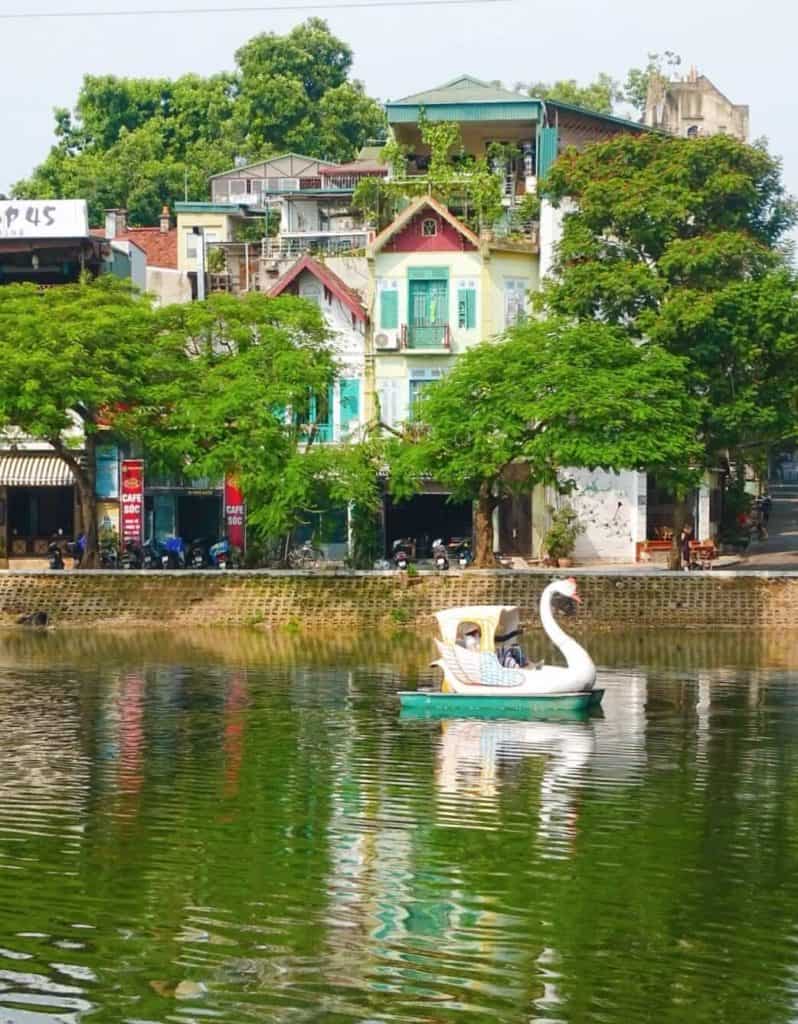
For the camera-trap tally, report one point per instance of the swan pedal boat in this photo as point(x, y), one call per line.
point(476, 680)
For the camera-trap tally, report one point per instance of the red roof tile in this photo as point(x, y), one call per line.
point(339, 288)
point(159, 246)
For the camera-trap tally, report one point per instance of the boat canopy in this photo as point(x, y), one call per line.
point(495, 621)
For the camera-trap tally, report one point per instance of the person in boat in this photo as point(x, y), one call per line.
point(508, 649)
point(472, 638)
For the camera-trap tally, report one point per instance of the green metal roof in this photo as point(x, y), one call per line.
point(571, 108)
point(211, 207)
point(464, 89)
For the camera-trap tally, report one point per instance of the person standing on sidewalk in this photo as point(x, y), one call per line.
point(685, 537)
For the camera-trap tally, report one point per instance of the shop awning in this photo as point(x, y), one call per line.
point(34, 471)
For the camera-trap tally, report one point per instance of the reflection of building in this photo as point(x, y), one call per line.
point(693, 107)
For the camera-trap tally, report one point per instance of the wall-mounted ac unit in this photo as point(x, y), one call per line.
point(386, 342)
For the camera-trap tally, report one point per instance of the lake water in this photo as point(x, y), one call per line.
point(240, 828)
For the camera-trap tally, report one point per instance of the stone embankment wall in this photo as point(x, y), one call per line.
point(323, 601)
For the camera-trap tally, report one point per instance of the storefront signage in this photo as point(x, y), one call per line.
point(44, 218)
point(234, 513)
point(132, 500)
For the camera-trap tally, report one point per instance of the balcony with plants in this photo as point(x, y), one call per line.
point(491, 195)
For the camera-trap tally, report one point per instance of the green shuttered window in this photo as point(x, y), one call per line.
point(389, 309)
point(467, 306)
point(349, 398)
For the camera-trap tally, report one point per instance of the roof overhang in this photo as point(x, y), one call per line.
point(24, 470)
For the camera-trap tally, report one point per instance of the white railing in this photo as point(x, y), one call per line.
point(295, 243)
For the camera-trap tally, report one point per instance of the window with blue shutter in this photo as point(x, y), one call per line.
point(349, 400)
point(467, 305)
point(389, 309)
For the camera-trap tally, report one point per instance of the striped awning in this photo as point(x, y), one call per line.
point(34, 471)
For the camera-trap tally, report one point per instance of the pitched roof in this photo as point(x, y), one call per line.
point(159, 246)
point(348, 296)
point(263, 161)
point(463, 89)
point(409, 212)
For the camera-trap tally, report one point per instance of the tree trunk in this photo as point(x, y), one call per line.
point(680, 517)
point(483, 528)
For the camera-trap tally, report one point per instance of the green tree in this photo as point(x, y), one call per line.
point(73, 358)
point(635, 88)
point(260, 374)
point(677, 242)
point(140, 143)
point(550, 395)
point(600, 94)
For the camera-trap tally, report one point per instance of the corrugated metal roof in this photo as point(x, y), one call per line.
point(34, 471)
point(463, 89)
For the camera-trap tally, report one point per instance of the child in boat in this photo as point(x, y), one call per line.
point(471, 639)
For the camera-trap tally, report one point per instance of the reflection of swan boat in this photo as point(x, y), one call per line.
point(489, 674)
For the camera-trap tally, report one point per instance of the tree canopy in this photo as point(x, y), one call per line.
point(74, 357)
point(140, 143)
point(600, 95)
point(550, 395)
point(259, 379)
point(676, 242)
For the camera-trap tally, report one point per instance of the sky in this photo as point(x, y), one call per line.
point(745, 48)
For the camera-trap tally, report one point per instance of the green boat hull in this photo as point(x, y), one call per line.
point(434, 704)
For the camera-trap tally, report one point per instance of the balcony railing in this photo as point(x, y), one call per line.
point(426, 336)
point(291, 245)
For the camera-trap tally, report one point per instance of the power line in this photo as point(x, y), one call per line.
point(40, 15)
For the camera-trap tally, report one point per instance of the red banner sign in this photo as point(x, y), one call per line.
point(234, 513)
point(132, 493)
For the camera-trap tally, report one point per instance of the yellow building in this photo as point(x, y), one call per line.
point(438, 289)
point(214, 222)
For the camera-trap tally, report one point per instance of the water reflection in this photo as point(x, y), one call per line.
point(258, 836)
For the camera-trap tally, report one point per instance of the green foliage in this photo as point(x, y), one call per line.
point(140, 143)
point(256, 363)
point(661, 65)
point(676, 243)
point(563, 532)
point(82, 354)
point(552, 394)
point(599, 95)
point(466, 184)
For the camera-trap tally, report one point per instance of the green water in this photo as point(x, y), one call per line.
point(242, 829)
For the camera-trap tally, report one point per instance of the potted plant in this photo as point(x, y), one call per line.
point(560, 539)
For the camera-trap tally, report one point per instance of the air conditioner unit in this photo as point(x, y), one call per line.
point(386, 342)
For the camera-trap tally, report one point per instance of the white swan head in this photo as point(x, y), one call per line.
point(567, 588)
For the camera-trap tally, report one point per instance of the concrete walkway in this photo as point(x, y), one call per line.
point(779, 552)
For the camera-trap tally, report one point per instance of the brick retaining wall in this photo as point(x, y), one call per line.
point(610, 600)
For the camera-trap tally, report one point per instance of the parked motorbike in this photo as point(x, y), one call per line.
point(220, 554)
point(399, 554)
point(150, 555)
point(460, 549)
point(55, 559)
point(132, 557)
point(440, 555)
point(198, 557)
point(109, 556)
point(173, 553)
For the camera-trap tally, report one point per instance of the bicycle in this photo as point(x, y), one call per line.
point(305, 556)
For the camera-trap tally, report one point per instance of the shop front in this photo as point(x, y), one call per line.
point(38, 503)
point(190, 512)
